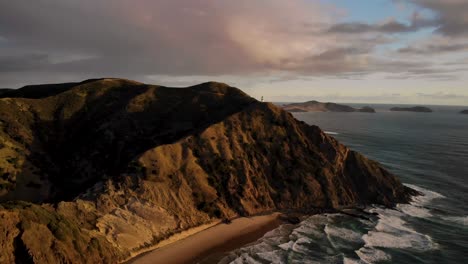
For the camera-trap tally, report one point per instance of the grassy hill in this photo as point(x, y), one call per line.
point(103, 168)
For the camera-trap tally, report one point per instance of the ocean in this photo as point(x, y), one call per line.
point(428, 152)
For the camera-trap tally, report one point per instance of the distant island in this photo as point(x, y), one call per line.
point(465, 112)
point(419, 109)
point(315, 106)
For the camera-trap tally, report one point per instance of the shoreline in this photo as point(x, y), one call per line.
point(207, 245)
point(168, 241)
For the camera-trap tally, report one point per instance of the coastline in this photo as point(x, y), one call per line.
point(207, 244)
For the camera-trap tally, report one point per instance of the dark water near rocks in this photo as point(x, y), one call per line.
point(429, 152)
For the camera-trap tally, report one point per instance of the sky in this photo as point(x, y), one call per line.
point(366, 51)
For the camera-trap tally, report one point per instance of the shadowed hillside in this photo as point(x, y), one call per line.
point(4, 90)
point(114, 166)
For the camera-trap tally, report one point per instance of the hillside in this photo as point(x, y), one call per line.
point(36, 91)
point(4, 90)
point(315, 106)
point(107, 167)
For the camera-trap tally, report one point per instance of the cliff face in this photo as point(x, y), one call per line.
point(115, 166)
point(314, 106)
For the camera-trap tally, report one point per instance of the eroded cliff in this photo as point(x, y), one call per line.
point(108, 167)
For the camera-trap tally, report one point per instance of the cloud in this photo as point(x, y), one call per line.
point(143, 38)
point(21, 63)
point(442, 95)
point(186, 37)
point(431, 49)
point(451, 15)
point(392, 26)
point(166, 37)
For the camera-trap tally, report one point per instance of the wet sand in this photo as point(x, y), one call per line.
point(209, 245)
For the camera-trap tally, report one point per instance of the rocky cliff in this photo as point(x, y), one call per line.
point(95, 171)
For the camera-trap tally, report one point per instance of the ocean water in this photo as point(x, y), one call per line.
point(429, 152)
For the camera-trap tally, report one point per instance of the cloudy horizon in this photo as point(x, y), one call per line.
point(379, 51)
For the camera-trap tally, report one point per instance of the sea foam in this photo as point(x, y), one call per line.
point(415, 211)
point(328, 238)
point(342, 238)
point(462, 220)
point(392, 231)
point(372, 255)
point(427, 196)
point(416, 207)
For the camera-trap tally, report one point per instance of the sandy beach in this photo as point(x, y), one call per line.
point(209, 245)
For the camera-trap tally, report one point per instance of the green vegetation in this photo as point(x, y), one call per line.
point(136, 167)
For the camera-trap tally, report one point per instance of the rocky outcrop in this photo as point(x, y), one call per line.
point(465, 112)
point(314, 106)
point(108, 167)
point(418, 109)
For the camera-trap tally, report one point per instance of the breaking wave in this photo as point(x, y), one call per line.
point(338, 238)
